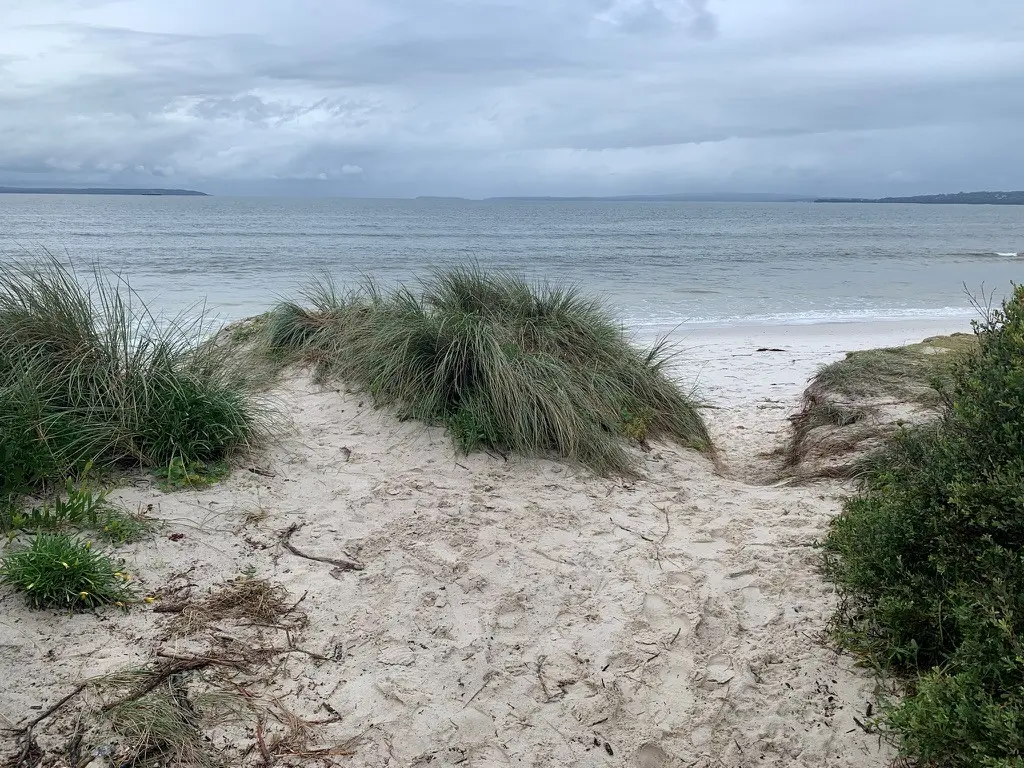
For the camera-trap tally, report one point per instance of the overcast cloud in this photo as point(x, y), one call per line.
point(498, 97)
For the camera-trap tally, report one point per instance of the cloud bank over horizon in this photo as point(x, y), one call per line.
point(513, 97)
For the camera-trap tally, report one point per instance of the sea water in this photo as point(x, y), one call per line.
point(659, 265)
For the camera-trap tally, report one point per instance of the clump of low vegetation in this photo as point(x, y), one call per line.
point(89, 378)
point(62, 571)
point(167, 725)
point(919, 372)
point(178, 474)
point(501, 363)
point(80, 507)
point(929, 557)
point(853, 406)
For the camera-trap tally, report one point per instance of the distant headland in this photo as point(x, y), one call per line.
point(100, 191)
point(956, 198)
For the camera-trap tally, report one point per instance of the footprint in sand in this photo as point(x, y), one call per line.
point(651, 756)
point(719, 669)
point(757, 610)
point(663, 616)
point(510, 612)
point(680, 580)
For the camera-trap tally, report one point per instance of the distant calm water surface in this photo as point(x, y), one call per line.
point(658, 264)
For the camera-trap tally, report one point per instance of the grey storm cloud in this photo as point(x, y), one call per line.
point(482, 97)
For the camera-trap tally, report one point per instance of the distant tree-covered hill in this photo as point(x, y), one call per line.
point(955, 198)
point(98, 191)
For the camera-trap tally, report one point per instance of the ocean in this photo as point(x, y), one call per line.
point(659, 265)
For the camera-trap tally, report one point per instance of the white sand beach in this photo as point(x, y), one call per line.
point(508, 612)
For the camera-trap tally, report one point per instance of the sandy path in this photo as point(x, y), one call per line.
point(510, 613)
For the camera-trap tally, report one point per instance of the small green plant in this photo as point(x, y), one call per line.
point(468, 431)
point(179, 474)
point(81, 507)
point(248, 330)
point(61, 571)
point(123, 528)
point(636, 424)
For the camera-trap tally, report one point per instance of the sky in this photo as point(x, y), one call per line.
point(474, 98)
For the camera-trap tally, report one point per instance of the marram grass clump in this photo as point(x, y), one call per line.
point(500, 362)
point(88, 377)
point(929, 557)
point(62, 571)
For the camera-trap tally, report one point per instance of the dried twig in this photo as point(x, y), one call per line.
point(351, 565)
point(268, 759)
point(487, 679)
point(540, 677)
point(27, 729)
point(635, 533)
point(30, 754)
point(170, 607)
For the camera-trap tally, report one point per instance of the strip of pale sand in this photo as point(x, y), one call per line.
point(741, 365)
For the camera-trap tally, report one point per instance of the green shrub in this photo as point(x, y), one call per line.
point(929, 557)
point(89, 377)
point(501, 363)
point(60, 571)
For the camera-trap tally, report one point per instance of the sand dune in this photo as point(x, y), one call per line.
point(510, 612)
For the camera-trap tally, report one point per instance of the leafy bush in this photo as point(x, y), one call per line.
point(929, 557)
point(89, 376)
point(60, 571)
point(498, 361)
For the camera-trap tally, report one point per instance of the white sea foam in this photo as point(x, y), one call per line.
point(649, 324)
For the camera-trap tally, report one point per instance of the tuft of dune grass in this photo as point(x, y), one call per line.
point(90, 378)
point(916, 372)
point(863, 399)
point(502, 363)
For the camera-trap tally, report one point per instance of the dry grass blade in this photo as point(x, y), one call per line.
point(161, 711)
point(165, 726)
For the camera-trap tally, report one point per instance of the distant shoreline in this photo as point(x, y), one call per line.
point(696, 197)
point(100, 191)
point(957, 198)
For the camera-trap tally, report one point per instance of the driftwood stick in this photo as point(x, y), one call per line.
point(27, 729)
point(351, 565)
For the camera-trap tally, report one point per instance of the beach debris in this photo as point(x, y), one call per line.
point(348, 563)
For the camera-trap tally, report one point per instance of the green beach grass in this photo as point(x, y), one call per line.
point(502, 363)
point(89, 378)
point(57, 570)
